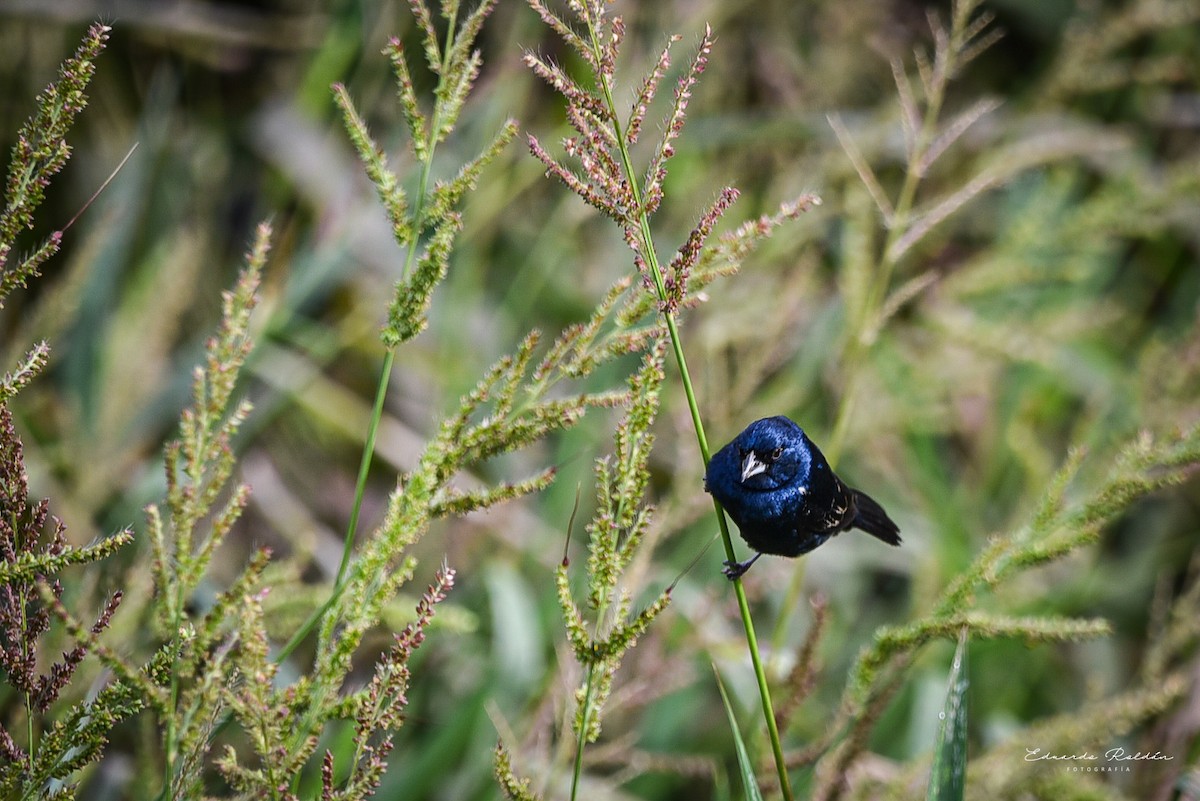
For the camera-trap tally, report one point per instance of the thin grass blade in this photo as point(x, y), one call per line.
point(947, 778)
point(745, 766)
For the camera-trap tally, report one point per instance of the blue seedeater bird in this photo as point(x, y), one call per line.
point(786, 500)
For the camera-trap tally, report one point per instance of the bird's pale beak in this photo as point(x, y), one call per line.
point(751, 466)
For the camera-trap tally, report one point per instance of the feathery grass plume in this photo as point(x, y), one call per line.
point(606, 177)
point(36, 752)
point(509, 409)
point(433, 216)
point(487, 424)
point(264, 712)
point(40, 152)
point(1057, 529)
point(515, 789)
point(614, 535)
point(721, 258)
point(185, 531)
point(380, 706)
point(199, 465)
point(1098, 54)
point(490, 421)
point(41, 754)
point(34, 362)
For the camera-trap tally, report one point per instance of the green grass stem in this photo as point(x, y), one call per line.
point(745, 765)
point(385, 376)
point(584, 720)
point(364, 470)
point(651, 256)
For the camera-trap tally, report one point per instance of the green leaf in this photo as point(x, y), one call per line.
point(749, 782)
point(948, 775)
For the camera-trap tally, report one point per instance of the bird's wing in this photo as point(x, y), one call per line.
point(827, 509)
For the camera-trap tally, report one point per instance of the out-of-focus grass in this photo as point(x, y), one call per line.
point(1061, 308)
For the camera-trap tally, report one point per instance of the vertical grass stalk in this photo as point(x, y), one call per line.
point(585, 719)
point(385, 376)
point(651, 256)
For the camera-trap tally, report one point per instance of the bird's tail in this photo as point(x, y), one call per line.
point(872, 519)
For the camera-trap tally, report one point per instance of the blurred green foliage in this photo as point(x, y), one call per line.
point(1057, 308)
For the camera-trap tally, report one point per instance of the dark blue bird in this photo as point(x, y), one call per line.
point(786, 500)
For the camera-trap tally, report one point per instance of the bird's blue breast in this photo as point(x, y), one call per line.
point(768, 521)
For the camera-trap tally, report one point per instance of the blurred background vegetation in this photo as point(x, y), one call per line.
point(1058, 308)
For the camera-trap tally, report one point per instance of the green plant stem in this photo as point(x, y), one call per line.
point(30, 744)
point(760, 675)
point(586, 716)
point(385, 374)
point(170, 739)
point(364, 469)
point(651, 256)
point(583, 727)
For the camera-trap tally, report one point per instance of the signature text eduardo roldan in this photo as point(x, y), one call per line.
point(1111, 755)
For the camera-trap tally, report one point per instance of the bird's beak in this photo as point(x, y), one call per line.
point(751, 466)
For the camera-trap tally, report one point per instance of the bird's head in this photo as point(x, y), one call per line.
point(772, 453)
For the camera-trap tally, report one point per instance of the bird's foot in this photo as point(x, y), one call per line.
point(734, 570)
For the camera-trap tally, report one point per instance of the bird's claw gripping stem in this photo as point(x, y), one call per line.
point(734, 570)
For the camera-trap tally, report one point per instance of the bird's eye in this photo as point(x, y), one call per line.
point(775, 454)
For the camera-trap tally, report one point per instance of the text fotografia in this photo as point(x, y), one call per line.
point(1115, 760)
